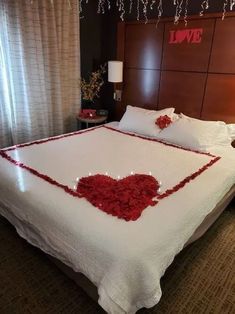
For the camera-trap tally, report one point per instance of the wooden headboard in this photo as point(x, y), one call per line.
point(197, 78)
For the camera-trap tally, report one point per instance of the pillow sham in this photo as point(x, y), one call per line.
point(199, 120)
point(142, 121)
point(196, 134)
point(230, 129)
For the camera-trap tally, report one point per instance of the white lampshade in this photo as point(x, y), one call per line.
point(115, 71)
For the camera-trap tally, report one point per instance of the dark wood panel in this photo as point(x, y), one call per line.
point(141, 88)
point(183, 68)
point(143, 46)
point(121, 41)
point(186, 56)
point(120, 52)
point(182, 90)
point(223, 51)
point(219, 101)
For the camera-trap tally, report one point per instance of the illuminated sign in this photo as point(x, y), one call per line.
point(191, 36)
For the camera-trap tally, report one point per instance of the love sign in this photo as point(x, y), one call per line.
point(191, 36)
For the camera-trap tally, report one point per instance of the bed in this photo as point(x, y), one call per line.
point(123, 259)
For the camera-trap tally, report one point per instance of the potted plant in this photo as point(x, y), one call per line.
point(90, 88)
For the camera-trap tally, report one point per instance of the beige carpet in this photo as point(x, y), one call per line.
point(201, 280)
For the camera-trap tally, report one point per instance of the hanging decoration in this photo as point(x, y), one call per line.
point(186, 13)
point(204, 6)
point(138, 10)
point(224, 9)
point(142, 8)
point(232, 3)
point(130, 6)
point(145, 4)
point(160, 11)
point(178, 10)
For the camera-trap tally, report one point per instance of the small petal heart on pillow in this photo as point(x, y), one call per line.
point(163, 122)
point(142, 121)
point(125, 198)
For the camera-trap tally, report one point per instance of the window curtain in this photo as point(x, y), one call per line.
point(39, 69)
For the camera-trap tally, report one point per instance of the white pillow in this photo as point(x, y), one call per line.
point(224, 136)
point(231, 130)
point(142, 121)
point(196, 134)
point(210, 122)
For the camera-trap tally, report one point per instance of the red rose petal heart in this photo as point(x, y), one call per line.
point(163, 121)
point(125, 198)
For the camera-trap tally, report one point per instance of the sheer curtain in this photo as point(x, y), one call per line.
point(39, 69)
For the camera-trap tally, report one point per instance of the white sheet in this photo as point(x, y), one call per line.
point(125, 260)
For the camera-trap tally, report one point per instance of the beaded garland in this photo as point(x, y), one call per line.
point(144, 7)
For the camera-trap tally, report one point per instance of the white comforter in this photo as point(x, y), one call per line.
point(125, 260)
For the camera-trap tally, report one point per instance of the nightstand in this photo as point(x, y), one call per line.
point(96, 120)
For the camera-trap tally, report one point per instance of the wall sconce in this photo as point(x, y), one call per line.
point(115, 75)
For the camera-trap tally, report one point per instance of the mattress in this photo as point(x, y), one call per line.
point(113, 254)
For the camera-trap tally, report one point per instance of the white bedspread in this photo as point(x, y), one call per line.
point(125, 260)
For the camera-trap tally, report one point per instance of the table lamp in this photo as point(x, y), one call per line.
point(115, 75)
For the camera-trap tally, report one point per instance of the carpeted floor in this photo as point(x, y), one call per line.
point(200, 281)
